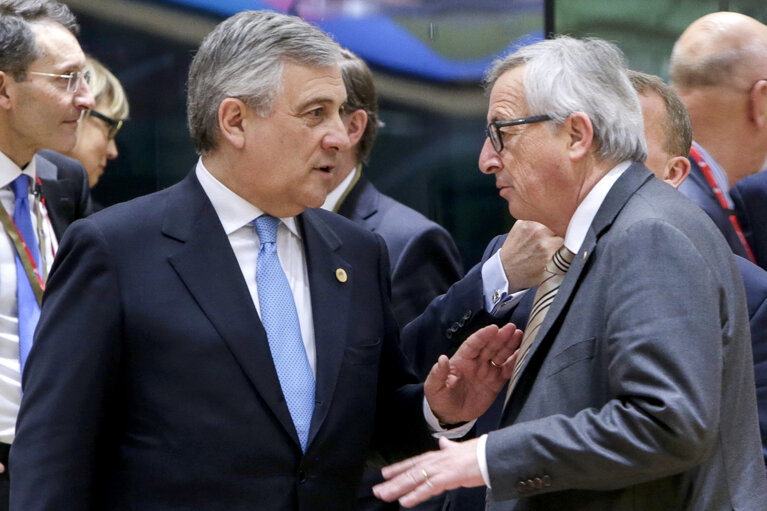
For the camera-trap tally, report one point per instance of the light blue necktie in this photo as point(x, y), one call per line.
point(280, 320)
point(29, 310)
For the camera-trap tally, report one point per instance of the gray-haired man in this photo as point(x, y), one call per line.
point(219, 346)
point(621, 402)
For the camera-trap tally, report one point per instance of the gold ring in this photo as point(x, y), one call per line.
point(425, 475)
point(492, 363)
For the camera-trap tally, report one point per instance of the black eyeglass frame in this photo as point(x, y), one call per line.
point(113, 124)
point(493, 130)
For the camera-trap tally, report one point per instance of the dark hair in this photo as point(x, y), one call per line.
point(360, 95)
point(677, 128)
point(18, 48)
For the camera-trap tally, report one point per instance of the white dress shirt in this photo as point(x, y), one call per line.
point(576, 232)
point(235, 214)
point(10, 377)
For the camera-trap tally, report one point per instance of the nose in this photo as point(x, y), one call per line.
point(83, 98)
point(112, 150)
point(489, 159)
point(337, 137)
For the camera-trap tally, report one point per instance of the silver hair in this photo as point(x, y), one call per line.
point(566, 75)
point(243, 58)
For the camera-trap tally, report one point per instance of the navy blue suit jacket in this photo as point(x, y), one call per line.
point(750, 198)
point(697, 189)
point(151, 386)
point(64, 186)
point(423, 256)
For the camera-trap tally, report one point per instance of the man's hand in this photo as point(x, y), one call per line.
point(524, 254)
point(461, 388)
point(416, 479)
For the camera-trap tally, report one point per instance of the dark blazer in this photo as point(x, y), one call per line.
point(423, 256)
point(755, 280)
point(697, 189)
point(750, 198)
point(424, 262)
point(151, 386)
point(639, 392)
point(64, 186)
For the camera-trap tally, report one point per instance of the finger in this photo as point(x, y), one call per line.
point(502, 345)
point(477, 342)
point(402, 484)
point(398, 468)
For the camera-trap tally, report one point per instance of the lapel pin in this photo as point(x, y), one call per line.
point(341, 275)
point(585, 255)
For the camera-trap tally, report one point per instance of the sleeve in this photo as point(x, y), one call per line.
point(68, 382)
point(664, 383)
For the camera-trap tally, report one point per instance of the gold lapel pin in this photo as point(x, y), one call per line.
point(341, 275)
point(585, 255)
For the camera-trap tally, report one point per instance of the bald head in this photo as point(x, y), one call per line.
point(722, 48)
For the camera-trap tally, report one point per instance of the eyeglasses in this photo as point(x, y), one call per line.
point(493, 130)
point(114, 125)
point(73, 79)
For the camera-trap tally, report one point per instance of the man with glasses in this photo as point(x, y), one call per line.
point(634, 384)
point(719, 69)
point(42, 94)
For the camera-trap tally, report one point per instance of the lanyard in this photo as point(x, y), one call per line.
point(22, 249)
point(709, 175)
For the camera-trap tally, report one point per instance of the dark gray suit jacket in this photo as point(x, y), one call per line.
point(64, 186)
point(638, 393)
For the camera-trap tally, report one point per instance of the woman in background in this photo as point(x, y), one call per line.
point(98, 127)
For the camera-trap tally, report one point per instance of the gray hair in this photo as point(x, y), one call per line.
point(725, 67)
point(18, 46)
point(243, 58)
point(566, 75)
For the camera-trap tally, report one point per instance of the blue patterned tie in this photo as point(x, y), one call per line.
point(280, 320)
point(29, 310)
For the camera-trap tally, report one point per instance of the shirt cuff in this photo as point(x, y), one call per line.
point(482, 459)
point(438, 431)
point(495, 287)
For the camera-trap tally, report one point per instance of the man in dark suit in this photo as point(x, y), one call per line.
point(719, 69)
point(219, 346)
point(620, 401)
point(750, 199)
point(42, 94)
point(423, 256)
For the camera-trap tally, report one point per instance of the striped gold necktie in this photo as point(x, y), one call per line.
point(555, 272)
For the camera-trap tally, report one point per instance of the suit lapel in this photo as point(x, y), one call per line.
point(331, 300)
point(361, 203)
point(58, 202)
point(616, 199)
point(208, 267)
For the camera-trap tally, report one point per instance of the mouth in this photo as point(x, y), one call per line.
point(328, 169)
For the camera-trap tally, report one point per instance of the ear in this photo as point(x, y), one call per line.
point(758, 103)
point(677, 170)
point(581, 135)
point(5, 99)
point(356, 122)
point(232, 115)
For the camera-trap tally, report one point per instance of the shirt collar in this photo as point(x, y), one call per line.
point(587, 209)
point(233, 211)
point(340, 191)
point(9, 171)
point(720, 176)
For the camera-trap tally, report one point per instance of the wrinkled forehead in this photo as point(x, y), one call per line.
point(57, 47)
point(507, 97)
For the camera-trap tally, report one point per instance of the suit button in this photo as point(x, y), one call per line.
point(538, 483)
point(449, 334)
point(302, 477)
point(467, 315)
point(530, 484)
point(546, 481)
point(521, 487)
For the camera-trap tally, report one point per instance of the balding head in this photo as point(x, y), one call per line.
point(719, 69)
point(722, 48)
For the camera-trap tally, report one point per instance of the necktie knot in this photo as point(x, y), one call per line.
point(561, 260)
point(20, 186)
point(266, 227)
